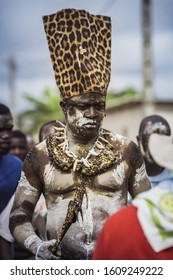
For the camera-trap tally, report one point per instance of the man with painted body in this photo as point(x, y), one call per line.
point(84, 171)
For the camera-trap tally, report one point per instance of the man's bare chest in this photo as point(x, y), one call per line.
point(63, 182)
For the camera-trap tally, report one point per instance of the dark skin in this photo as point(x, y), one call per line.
point(47, 130)
point(6, 126)
point(5, 250)
point(18, 147)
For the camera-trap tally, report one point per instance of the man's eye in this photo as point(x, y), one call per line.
point(82, 107)
point(100, 107)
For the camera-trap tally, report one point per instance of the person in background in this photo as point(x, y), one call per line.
point(18, 148)
point(83, 170)
point(149, 125)
point(150, 217)
point(10, 171)
point(30, 141)
point(48, 128)
point(19, 145)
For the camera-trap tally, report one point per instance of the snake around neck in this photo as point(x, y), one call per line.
point(97, 160)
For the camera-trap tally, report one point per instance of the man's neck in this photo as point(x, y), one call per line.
point(79, 145)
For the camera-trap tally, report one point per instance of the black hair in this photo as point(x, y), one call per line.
point(4, 109)
point(18, 134)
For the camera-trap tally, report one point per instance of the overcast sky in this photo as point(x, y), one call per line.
point(22, 37)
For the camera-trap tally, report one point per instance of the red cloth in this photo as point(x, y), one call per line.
point(122, 238)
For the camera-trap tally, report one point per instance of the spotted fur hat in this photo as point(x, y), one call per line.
point(80, 50)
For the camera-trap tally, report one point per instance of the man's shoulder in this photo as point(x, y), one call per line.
point(37, 156)
point(126, 147)
point(116, 138)
point(41, 149)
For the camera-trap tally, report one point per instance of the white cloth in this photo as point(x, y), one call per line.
point(155, 214)
point(4, 221)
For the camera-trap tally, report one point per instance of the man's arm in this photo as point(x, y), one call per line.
point(20, 224)
point(139, 180)
point(27, 194)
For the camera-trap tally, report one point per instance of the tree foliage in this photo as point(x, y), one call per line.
point(44, 109)
point(124, 96)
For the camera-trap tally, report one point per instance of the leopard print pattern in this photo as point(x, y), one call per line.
point(80, 49)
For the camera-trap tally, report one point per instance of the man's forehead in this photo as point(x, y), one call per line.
point(6, 118)
point(87, 98)
point(17, 139)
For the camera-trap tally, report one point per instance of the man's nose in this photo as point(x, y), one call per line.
point(16, 152)
point(6, 135)
point(91, 112)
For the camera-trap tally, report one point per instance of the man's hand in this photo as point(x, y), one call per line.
point(43, 252)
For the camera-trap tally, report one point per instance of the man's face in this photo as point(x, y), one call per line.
point(6, 126)
point(84, 115)
point(18, 147)
point(150, 128)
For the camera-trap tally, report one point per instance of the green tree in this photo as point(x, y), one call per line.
point(124, 96)
point(44, 108)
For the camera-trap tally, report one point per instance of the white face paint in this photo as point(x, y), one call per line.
point(140, 175)
point(32, 242)
point(86, 221)
point(49, 174)
point(27, 189)
point(79, 119)
point(119, 173)
point(116, 137)
point(153, 127)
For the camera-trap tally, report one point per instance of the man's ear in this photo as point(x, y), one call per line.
point(63, 106)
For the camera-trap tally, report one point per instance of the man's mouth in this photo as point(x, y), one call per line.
point(4, 144)
point(90, 125)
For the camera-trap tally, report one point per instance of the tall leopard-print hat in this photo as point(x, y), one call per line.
point(80, 49)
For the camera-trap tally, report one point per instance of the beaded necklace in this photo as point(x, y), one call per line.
point(98, 159)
